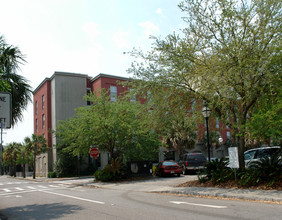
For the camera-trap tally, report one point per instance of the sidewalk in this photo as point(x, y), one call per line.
point(169, 185)
point(156, 186)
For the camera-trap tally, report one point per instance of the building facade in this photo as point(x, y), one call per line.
point(56, 98)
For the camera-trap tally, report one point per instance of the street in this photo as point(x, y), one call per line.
point(25, 199)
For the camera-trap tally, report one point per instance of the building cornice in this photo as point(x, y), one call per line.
point(62, 74)
point(109, 76)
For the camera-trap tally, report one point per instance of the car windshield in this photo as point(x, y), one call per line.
point(169, 163)
point(249, 155)
point(198, 157)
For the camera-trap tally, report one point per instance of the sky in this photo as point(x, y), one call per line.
point(81, 36)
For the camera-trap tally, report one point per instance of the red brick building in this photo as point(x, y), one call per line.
point(56, 98)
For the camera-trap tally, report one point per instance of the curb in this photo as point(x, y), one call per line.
point(254, 195)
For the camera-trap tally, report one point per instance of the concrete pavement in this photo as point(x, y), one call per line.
point(170, 185)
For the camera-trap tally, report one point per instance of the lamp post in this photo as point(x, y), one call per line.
point(206, 113)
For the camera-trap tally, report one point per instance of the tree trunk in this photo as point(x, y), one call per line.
point(23, 167)
point(241, 148)
point(15, 169)
point(34, 165)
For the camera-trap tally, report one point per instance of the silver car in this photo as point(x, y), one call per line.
point(259, 153)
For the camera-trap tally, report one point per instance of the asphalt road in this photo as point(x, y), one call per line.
point(21, 199)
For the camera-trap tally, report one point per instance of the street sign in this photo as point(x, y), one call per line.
point(94, 152)
point(233, 157)
point(5, 109)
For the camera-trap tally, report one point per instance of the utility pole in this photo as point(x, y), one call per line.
point(1, 145)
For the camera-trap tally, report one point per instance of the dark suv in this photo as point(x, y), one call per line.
point(192, 162)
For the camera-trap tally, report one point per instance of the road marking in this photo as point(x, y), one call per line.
point(30, 187)
point(195, 204)
point(54, 186)
point(7, 190)
point(18, 188)
point(43, 187)
point(74, 197)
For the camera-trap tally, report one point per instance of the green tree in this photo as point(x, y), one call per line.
point(229, 56)
point(265, 123)
point(10, 60)
point(114, 126)
point(36, 144)
point(25, 156)
point(11, 154)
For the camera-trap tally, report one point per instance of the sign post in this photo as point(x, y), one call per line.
point(5, 109)
point(5, 119)
point(233, 158)
point(94, 152)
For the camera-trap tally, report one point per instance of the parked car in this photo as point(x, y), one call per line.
point(259, 153)
point(168, 167)
point(192, 162)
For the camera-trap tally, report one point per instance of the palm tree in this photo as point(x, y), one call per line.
point(24, 154)
point(180, 135)
point(36, 145)
point(10, 59)
point(11, 156)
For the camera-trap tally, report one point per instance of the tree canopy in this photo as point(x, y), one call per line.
point(228, 55)
point(113, 126)
point(10, 60)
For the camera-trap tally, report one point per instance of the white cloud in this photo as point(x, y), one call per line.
point(150, 28)
point(92, 31)
point(159, 11)
point(121, 39)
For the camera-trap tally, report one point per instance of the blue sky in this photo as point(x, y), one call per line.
point(81, 36)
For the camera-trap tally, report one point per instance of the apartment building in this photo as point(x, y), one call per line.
point(56, 98)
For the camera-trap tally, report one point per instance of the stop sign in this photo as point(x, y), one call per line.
point(94, 152)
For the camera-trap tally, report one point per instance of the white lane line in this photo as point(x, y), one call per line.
point(30, 187)
point(74, 197)
point(18, 188)
point(195, 204)
point(43, 187)
point(54, 186)
point(7, 190)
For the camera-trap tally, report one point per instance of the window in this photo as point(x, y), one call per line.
point(249, 155)
point(43, 121)
point(88, 93)
point(133, 96)
point(43, 102)
point(36, 124)
point(193, 103)
point(36, 107)
point(217, 123)
point(228, 135)
point(149, 96)
point(113, 93)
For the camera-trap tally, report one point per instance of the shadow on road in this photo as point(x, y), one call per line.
point(42, 212)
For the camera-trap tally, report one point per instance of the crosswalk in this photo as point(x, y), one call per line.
point(28, 188)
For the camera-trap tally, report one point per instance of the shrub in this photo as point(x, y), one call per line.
point(216, 171)
point(266, 170)
point(112, 172)
point(52, 174)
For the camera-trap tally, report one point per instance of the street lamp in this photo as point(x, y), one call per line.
point(206, 113)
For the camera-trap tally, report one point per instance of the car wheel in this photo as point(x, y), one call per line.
point(178, 174)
